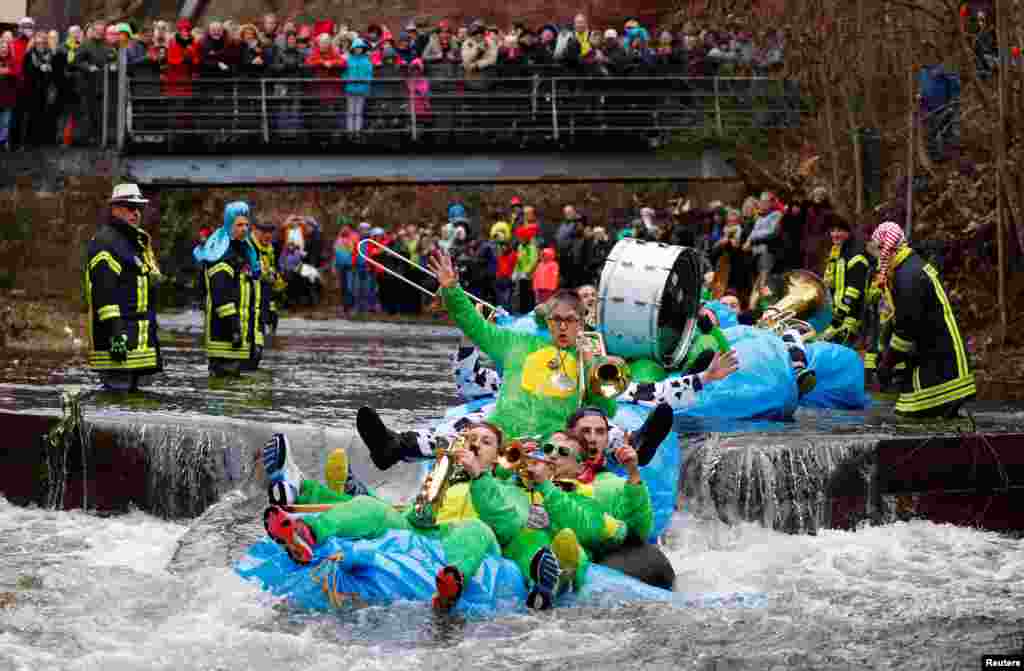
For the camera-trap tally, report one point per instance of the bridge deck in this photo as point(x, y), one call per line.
point(267, 170)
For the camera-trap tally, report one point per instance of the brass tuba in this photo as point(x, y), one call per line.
point(803, 294)
point(440, 477)
point(608, 376)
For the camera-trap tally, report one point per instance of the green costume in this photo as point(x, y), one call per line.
point(540, 389)
point(466, 542)
point(506, 507)
point(627, 502)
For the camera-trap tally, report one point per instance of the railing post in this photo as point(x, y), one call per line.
point(554, 106)
point(122, 96)
point(105, 115)
point(533, 97)
point(412, 110)
point(263, 108)
point(718, 109)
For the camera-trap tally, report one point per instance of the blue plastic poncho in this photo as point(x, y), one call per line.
point(217, 245)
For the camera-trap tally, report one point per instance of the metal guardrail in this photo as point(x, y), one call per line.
point(564, 109)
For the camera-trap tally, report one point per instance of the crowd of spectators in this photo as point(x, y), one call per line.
point(51, 85)
point(515, 259)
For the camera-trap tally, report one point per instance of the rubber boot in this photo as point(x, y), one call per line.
point(567, 550)
point(336, 470)
point(650, 435)
point(386, 447)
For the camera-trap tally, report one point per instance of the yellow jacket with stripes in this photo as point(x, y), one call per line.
point(233, 302)
point(118, 278)
point(846, 274)
point(926, 336)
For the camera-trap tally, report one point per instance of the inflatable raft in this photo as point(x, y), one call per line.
point(400, 567)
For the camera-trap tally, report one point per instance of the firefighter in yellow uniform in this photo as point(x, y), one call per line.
point(120, 267)
point(234, 337)
point(846, 274)
point(925, 334)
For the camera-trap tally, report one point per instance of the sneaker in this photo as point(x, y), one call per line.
point(652, 433)
point(282, 493)
point(336, 470)
point(291, 532)
point(546, 572)
point(277, 460)
point(567, 550)
point(449, 583)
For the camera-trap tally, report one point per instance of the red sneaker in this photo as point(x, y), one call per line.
point(449, 588)
point(291, 532)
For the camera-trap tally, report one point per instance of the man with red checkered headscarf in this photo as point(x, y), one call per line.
point(925, 336)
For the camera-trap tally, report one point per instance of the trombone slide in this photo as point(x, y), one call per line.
point(432, 294)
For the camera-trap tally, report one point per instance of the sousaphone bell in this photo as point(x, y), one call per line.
point(804, 298)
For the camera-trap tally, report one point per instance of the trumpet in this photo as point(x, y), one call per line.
point(515, 457)
point(608, 375)
point(433, 294)
point(431, 495)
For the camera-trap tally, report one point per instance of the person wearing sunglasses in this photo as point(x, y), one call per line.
point(118, 275)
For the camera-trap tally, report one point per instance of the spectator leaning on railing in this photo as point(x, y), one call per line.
point(211, 68)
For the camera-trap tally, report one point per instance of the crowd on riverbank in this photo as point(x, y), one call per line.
point(515, 257)
point(51, 84)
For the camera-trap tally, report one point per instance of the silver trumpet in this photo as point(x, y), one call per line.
point(433, 294)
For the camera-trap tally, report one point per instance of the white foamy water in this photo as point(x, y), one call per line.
point(93, 593)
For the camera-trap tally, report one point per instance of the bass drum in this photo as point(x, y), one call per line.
point(648, 300)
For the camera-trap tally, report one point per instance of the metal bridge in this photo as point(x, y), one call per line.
point(290, 131)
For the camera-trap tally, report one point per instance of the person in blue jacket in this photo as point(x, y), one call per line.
point(358, 75)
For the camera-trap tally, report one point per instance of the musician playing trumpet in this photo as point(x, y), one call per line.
point(484, 510)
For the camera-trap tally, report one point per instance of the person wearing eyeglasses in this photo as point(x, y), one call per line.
point(119, 274)
point(541, 373)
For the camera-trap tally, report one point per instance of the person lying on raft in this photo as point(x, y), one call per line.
point(551, 557)
point(705, 344)
point(540, 388)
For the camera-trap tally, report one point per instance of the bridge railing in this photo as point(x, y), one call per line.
point(439, 111)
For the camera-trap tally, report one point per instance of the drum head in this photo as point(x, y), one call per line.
point(677, 310)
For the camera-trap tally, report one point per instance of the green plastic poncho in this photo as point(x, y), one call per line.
point(540, 388)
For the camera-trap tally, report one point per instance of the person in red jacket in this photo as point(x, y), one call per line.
point(8, 93)
point(22, 105)
point(326, 64)
point(507, 257)
point(545, 277)
point(182, 63)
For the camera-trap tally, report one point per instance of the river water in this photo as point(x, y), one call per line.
point(85, 591)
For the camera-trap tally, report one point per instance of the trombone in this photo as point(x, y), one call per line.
point(432, 294)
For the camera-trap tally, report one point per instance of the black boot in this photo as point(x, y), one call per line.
point(387, 447)
point(650, 435)
point(382, 443)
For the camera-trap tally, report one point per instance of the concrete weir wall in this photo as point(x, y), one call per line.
point(171, 466)
point(800, 484)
